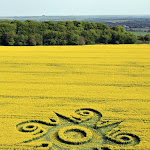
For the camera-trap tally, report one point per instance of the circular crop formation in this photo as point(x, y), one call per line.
point(84, 112)
point(29, 127)
point(75, 135)
point(126, 138)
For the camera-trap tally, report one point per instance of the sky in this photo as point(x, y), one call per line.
point(73, 7)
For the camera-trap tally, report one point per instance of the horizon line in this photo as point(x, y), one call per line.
point(77, 15)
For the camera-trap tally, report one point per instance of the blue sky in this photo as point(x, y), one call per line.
point(73, 7)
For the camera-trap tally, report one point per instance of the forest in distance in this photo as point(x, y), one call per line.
point(32, 33)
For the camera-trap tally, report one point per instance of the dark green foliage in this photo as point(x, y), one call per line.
point(7, 27)
point(101, 26)
point(147, 37)
point(9, 38)
point(119, 29)
point(105, 36)
point(63, 33)
point(32, 40)
point(130, 38)
point(54, 38)
point(144, 38)
point(141, 37)
point(21, 40)
point(72, 38)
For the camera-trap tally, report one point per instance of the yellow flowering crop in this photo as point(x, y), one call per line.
point(108, 87)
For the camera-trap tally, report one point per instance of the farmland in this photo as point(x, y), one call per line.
point(41, 87)
point(140, 33)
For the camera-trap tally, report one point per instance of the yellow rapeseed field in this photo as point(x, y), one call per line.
point(75, 97)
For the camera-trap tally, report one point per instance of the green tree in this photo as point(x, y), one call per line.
point(88, 25)
point(59, 28)
point(105, 36)
point(32, 40)
point(70, 26)
point(62, 33)
point(9, 39)
point(6, 27)
point(21, 27)
point(49, 25)
point(1, 39)
point(21, 40)
point(54, 38)
point(101, 26)
point(72, 38)
point(119, 29)
point(147, 37)
point(33, 27)
point(38, 39)
point(7, 33)
point(90, 36)
point(131, 38)
point(118, 37)
point(141, 38)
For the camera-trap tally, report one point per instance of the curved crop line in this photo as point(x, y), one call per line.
point(123, 138)
point(54, 123)
point(38, 131)
point(78, 117)
point(90, 109)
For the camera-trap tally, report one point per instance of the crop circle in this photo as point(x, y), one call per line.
point(29, 127)
point(75, 135)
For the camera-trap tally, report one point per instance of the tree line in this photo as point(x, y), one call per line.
point(31, 33)
point(144, 37)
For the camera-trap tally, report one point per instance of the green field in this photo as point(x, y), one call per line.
point(140, 33)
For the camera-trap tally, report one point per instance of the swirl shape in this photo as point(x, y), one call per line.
point(124, 138)
point(36, 130)
point(85, 114)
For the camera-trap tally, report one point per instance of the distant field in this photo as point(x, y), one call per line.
point(140, 33)
point(141, 29)
point(117, 21)
point(107, 85)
